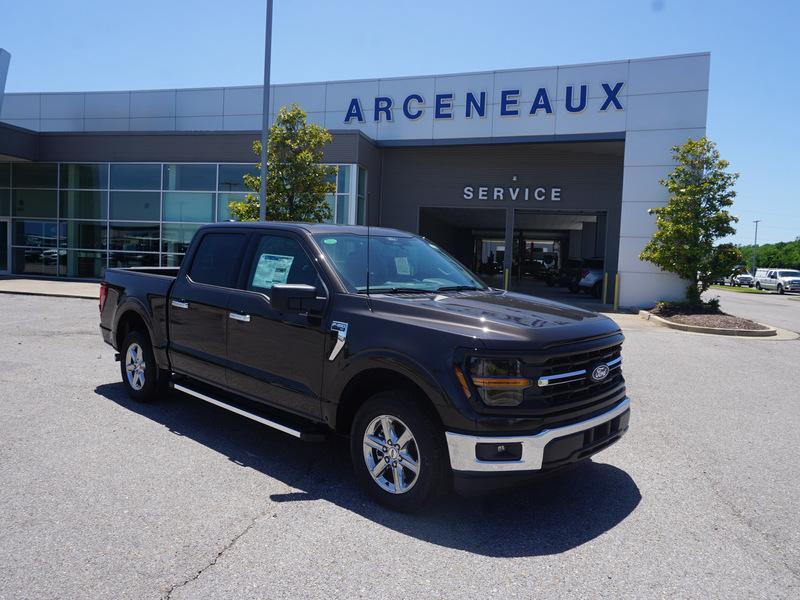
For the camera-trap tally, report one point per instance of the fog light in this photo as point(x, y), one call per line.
point(499, 452)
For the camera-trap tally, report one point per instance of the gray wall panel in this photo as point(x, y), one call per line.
point(589, 175)
point(17, 144)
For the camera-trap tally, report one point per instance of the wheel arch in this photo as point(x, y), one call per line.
point(131, 316)
point(375, 379)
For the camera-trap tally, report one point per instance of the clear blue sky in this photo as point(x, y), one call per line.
point(755, 78)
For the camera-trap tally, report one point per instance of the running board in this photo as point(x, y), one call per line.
point(301, 435)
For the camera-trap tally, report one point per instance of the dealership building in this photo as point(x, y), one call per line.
point(511, 171)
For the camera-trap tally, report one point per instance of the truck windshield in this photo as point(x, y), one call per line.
point(396, 264)
point(789, 274)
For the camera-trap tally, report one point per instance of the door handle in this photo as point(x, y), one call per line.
point(179, 304)
point(239, 317)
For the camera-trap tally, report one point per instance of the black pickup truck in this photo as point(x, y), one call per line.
point(380, 335)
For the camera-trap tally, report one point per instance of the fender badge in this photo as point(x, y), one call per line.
point(341, 336)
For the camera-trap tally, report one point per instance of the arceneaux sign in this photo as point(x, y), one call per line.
point(512, 193)
point(384, 108)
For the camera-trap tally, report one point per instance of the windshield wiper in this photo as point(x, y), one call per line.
point(397, 290)
point(457, 288)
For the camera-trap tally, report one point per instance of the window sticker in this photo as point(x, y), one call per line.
point(402, 265)
point(330, 241)
point(272, 269)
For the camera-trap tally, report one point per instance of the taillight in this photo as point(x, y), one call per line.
point(103, 295)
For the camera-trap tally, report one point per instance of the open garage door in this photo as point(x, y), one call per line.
point(542, 253)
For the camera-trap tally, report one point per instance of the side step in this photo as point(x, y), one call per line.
point(307, 436)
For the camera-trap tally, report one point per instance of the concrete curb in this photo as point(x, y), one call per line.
point(648, 316)
point(48, 294)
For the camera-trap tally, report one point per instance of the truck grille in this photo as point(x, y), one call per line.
point(564, 384)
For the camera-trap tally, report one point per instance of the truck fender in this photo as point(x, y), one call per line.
point(130, 304)
point(436, 389)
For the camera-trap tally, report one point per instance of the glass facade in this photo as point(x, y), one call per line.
point(77, 219)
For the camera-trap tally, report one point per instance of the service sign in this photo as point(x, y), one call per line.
point(512, 193)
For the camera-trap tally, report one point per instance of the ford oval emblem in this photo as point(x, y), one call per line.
point(600, 372)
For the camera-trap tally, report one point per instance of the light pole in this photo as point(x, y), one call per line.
point(755, 245)
point(262, 196)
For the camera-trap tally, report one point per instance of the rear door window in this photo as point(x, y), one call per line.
point(218, 258)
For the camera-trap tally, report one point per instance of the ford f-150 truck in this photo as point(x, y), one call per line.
point(437, 379)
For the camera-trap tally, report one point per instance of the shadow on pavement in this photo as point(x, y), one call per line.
point(547, 518)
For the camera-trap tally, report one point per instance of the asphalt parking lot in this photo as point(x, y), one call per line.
point(101, 497)
point(772, 308)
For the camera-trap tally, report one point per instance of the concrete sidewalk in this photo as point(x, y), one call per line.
point(50, 287)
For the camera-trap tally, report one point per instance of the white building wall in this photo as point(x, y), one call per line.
point(667, 104)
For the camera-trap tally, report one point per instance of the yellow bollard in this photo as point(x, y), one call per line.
point(616, 291)
point(505, 279)
point(605, 285)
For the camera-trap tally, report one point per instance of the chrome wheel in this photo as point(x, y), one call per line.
point(135, 366)
point(391, 454)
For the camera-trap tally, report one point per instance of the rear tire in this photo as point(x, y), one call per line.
point(142, 378)
point(415, 442)
point(758, 286)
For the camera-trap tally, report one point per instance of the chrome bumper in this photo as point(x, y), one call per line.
point(462, 447)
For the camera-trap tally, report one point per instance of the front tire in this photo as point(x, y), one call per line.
point(398, 451)
point(141, 376)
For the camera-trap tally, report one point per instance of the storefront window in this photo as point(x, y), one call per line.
point(34, 203)
point(85, 234)
point(223, 210)
point(176, 238)
point(136, 206)
point(76, 219)
point(85, 264)
point(84, 177)
point(135, 177)
point(37, 261)
point(190, 177)
point(188, 206)
point(5, 203)
point(83, 205)
point(132, 259)
point(135, 237)
point(35, 175)
point(171, 260)
point(39, 234)
point(231, 177)
point(361, 197)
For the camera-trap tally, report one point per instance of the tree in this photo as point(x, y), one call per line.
point(297, 181)
point(696, 216)
point(780, 254)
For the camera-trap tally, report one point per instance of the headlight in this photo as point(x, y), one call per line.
point(499, 381)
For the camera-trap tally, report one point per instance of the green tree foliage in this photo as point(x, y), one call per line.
point(781, 254)
point(297, 181)
point(695, 218)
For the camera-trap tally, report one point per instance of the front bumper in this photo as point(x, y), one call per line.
point(567, 444)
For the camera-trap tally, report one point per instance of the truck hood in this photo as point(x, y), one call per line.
point(499, 319)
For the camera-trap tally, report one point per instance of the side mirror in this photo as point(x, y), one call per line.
point(297, 298)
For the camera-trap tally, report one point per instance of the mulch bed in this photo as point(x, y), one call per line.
point(719, 320)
